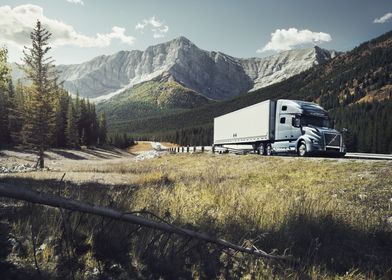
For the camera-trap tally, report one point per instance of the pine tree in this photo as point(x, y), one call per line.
point(39, 69)
point(4, 100)
point(82, 121)
point(94, 126)
point(72, 128)
point(102, 135)
point(16, 111)
point(5, 71)
point(83, 140)
point(61, 110)
point(3, 118)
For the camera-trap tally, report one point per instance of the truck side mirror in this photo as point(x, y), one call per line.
point(296, 122)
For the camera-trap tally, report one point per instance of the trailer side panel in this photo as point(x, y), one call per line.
point(247, 125)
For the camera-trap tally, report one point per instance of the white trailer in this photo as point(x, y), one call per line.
point(244, 126)
point(280, 126)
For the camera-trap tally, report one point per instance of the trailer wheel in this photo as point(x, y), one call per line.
point(268, 150)
point(302, 149)
point(261, 149)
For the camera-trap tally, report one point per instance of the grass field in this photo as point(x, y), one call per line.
point(333, 216)
point(140, 146)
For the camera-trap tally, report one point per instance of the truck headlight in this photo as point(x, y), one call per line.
point(315, 141)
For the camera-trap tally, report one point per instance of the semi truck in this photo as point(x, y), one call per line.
point(280, 126)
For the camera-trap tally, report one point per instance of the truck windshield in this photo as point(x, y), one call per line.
point(316, 121)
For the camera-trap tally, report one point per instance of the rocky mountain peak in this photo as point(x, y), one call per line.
point(183, 40)
point(323, 55)
point(215, 75)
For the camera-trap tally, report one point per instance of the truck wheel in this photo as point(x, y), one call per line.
point(302, 149)
point(261, 149)
point(268, 150)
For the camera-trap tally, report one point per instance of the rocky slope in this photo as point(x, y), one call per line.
point(213, 74)
point(274, 69)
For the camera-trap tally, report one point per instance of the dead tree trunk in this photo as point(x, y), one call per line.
point(29, 195)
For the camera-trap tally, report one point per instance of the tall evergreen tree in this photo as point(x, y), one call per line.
point(4, 69)
point(102, 136)
point(4, 100)
point(3, 118)
point(94, 125)
point(40, 70)
point(88, 124)
point(82, 121)
point(72, 127)
point(61, 110)
point(17, 97)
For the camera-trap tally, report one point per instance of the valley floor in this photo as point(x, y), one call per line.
point(333, 215)
point(82, 165)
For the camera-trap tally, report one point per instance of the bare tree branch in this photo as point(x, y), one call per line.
point(29, 195)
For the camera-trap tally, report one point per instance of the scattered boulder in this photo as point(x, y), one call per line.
point(148, 155)
point(18, 168)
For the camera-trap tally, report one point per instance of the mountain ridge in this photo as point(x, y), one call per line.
point(214, 74)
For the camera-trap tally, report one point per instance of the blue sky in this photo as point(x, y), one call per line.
point(242, 28)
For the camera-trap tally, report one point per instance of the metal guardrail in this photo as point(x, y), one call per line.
point(369, 156)
point(200, 149)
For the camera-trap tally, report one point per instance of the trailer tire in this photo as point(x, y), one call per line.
point(268, 149)
point(261, 149)
point(301, 151)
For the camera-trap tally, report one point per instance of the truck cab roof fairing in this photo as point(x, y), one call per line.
point(312, 109)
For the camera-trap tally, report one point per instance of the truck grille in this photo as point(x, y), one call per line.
point(332, 139)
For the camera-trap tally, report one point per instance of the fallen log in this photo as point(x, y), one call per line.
point(21, 193)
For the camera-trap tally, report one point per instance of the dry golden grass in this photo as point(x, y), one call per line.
point(140, 146)
point(169, 145)
point(377, 95)
point(332, 214)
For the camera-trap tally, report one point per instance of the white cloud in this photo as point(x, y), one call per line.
point(283, 40)
point(385, 18)
point(119, 33)
point(17, 23)
point(158, 28)
point(76, 2)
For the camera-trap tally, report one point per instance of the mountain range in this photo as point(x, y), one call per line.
point(214, 75)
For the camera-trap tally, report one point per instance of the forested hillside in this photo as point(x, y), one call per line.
point(152, 98)
point(356, 87)
point(72, 121)
point(40, 113)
